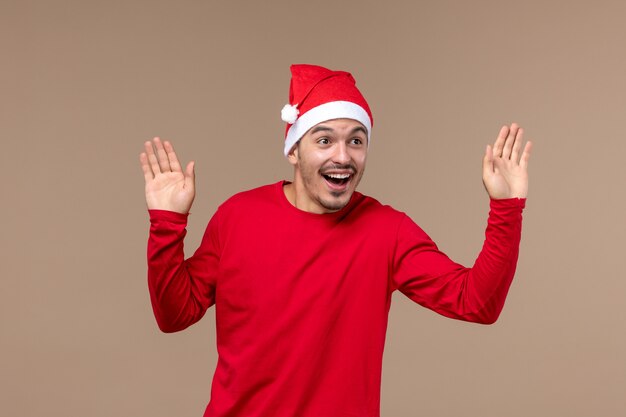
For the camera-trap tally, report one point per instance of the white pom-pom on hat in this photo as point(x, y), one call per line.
point(289, 114)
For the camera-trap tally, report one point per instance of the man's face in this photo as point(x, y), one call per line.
point(329, 162)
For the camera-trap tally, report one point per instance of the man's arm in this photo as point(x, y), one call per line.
point(180, 293)
point(477, 294)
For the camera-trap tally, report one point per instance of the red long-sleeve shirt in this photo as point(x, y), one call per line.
point(302, 299)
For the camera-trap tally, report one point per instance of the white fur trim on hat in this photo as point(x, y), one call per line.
point(327, 111)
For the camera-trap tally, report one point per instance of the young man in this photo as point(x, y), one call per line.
point(301, 273)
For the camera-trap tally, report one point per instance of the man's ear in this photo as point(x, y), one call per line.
point(292, 156)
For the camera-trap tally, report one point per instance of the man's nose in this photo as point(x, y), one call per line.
point(341, 155)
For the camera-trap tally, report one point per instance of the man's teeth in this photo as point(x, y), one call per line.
point(338, 176)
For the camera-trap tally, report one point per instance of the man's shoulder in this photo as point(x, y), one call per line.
point(369, 206)
point(252, 198)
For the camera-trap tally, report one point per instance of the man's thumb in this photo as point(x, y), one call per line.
point(190, 172)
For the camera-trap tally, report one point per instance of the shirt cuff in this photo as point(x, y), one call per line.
point(169, 216)
point(507, 203)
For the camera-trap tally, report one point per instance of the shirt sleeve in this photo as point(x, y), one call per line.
point(477, 294)
point(180, 290)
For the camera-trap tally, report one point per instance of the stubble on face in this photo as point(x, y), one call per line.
point(340, 197)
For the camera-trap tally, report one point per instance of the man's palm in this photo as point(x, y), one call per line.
point(505, 170)
point(168, 187)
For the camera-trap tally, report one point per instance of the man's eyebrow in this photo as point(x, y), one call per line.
point(359, 129)
point(321, 128)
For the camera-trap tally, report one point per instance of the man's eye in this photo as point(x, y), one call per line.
point(357, 141)
point(323, 141)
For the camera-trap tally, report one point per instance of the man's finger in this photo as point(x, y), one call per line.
point(510, 141)
point(499, 143)
point(517, 146)
point(190, 173)
point(526, 155)
point(488, 161)
point(152, 159)
point(145, 166)
point(171, 156)
point(164, 162)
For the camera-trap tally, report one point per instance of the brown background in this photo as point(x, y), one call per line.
point(83, 84)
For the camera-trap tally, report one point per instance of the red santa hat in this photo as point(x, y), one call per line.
point(317, 94)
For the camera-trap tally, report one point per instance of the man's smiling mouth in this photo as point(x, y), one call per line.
point(337, 179)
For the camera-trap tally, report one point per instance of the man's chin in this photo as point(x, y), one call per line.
point(338, 201)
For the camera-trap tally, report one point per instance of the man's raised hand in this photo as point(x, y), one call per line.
point(505, 170)
point(168, 187)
